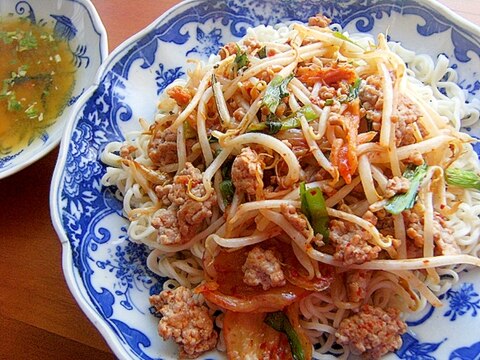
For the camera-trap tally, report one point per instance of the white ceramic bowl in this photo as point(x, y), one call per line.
point(77, 22)
point(107, 274)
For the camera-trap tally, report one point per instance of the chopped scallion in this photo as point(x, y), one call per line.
point(276, 91)
point(462, 178)
point(279, 321)
point(313, 206)
point(401, 202)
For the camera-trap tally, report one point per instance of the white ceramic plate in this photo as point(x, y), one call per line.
point(107, 273)
point(78, 23)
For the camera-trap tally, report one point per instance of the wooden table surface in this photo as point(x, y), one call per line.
point(39, 318)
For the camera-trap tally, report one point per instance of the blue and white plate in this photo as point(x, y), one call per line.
point(107, 274)
point(78, 23)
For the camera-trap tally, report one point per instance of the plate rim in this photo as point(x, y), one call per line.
point(113, 341)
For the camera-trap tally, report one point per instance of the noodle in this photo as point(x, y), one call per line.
point(310, 168)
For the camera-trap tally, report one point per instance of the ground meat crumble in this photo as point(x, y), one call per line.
point(299, 222)
point(371, 100)
point(356, 282)
point(247, 172)
point(372, 332)
point(351, 243)
point(184, 216)
point(396, 185)
point(162, 148)
point(319, 20)
point(443, 238)
point(186, 321)
point(382, 220)
point(262, 267)
point(404, 116)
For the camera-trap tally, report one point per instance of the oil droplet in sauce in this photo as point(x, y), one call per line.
point(37, 73)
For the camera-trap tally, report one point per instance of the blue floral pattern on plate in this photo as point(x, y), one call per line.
point(462, 301)
point(413, 349)
point(466, 353)
point(107, 273)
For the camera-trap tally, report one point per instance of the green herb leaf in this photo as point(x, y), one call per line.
point(262, 53)
point(13, 104)
point(343, 37)
point(188, 131)
point(259, 127)
point(5, 86)
point(263, 127)
point(216, 152)
point(31, 112)
point(293, 121)
point(279, 321)
point(402, 202)
point(212, 139)
point(6, 37)
point(313, 206)
point(352, 93)
point(241, 59)
point(354, 89)
point(226, 169)
point(276, 91)
point(462, 178)
point(273, 124)
point(27, 42)
point(227, 190)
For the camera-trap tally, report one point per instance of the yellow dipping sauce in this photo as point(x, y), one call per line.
point(37, 74)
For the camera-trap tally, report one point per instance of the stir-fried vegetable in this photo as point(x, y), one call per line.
point(293, 315)
point(262, 53)
point(402, 202)
point(220, 101)
point(297, 275)
point(328, 75)
point(249, 337)
point(273, 124)
point(228, 190)
point(241, 59)
point(315, 209)
point(228, 290)
point(344, 151)
point(247, 300)
point(188, 131)
point(276, 91)
point(462, 178)
point(354, 89)
point(279, 321)
point(343, 37)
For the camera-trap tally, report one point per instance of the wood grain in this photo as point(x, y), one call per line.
point(39, 318)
